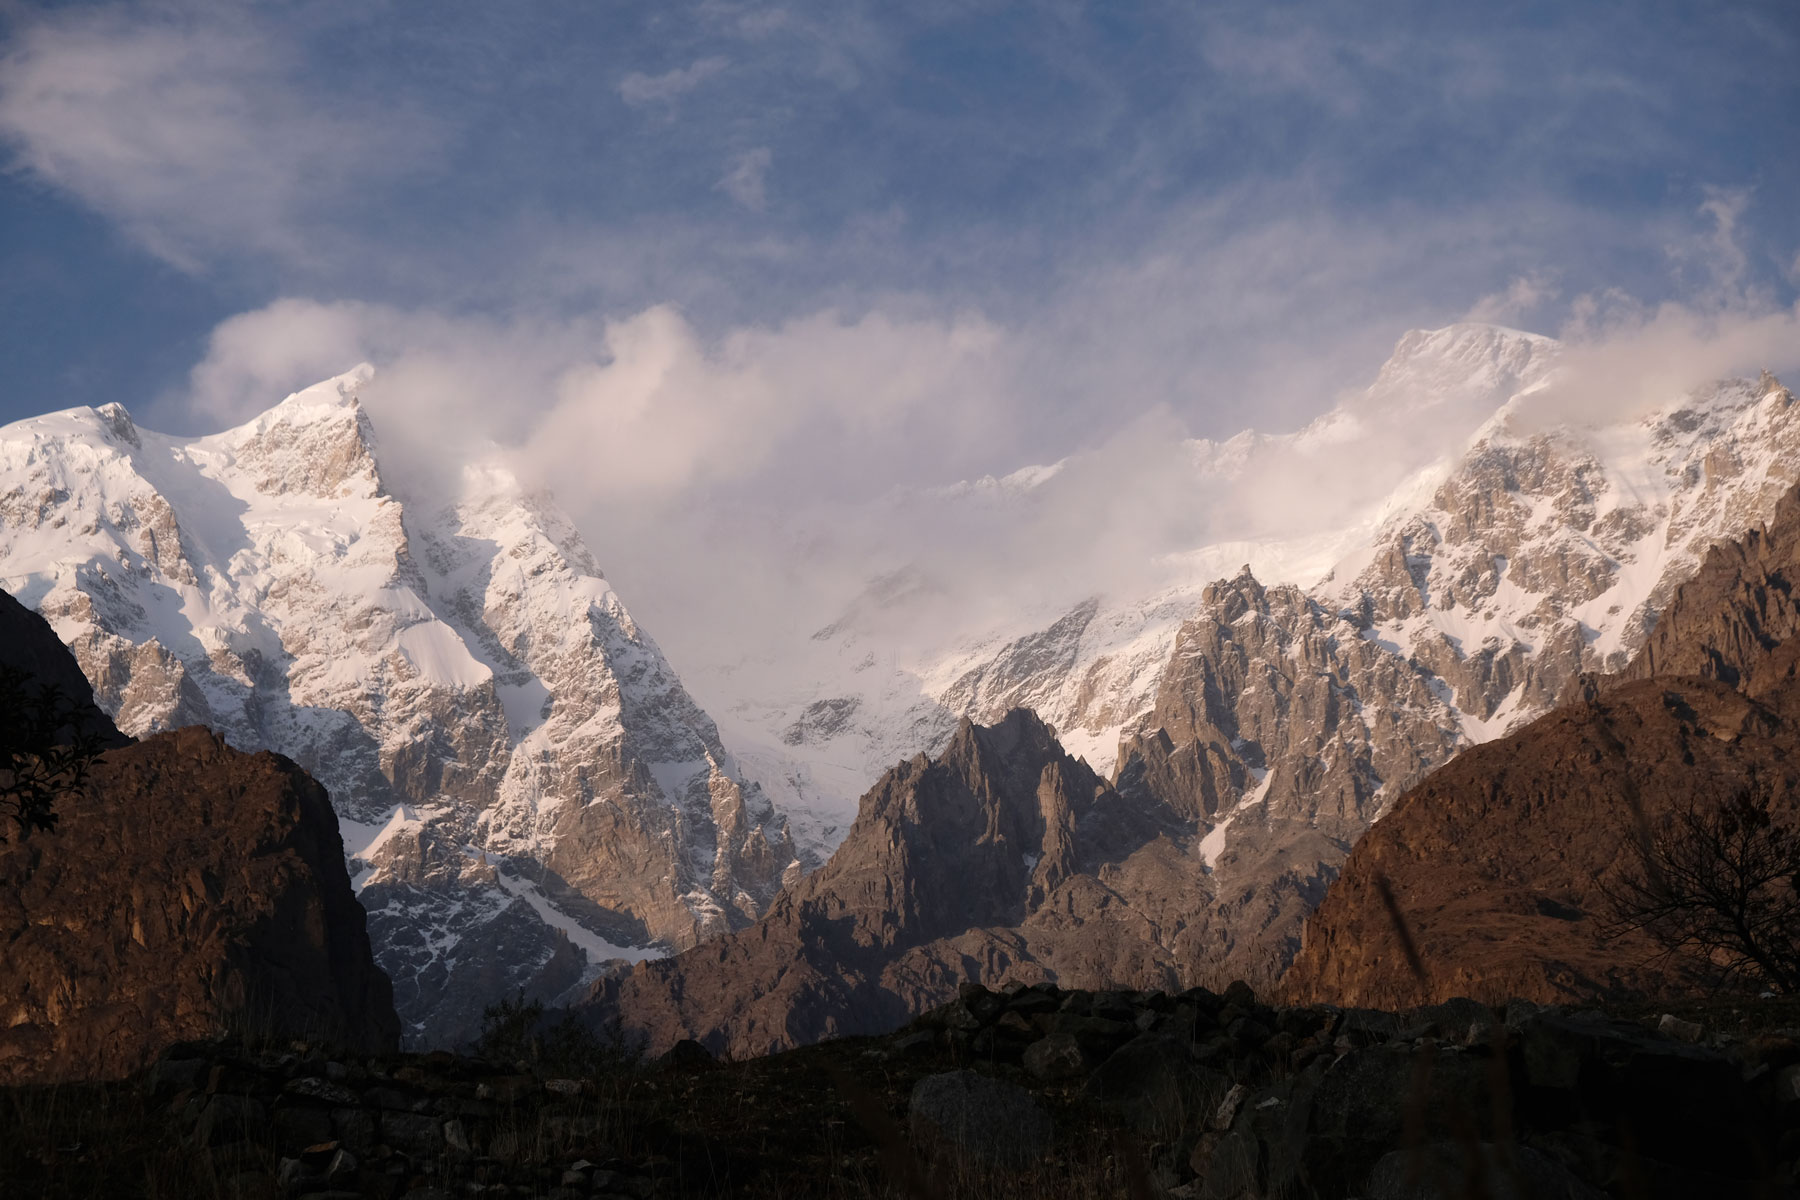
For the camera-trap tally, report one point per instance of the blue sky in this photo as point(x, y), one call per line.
point(904, 244)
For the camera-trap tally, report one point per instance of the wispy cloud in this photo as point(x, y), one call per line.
point(1518, 301)
point(746, 180)
point(890, 247)
point(638, 89)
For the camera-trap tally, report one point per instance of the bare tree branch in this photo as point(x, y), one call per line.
point(46, 749)
point(1720, 885)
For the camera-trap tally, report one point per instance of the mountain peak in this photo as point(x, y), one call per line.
point(325, 398)
point(1467, 337)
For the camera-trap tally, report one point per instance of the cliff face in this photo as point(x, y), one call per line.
point(29, 646)
point(1282, 711)
point(187, 888)
point(1500, 859)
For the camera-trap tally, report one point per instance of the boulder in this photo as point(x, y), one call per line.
point(1604, 1078)
point(1058, 1056)
point(1153, 1085)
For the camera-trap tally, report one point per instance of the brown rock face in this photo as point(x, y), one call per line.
point(1498, 860)
point(190, 888)
point(1000, 858)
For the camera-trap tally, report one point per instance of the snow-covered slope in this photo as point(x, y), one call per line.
point(524, 784)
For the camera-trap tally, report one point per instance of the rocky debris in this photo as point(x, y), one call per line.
point(1444, 1170)
point(295, 1121)
point(1235, 1098)
point(1684, 1031)
point(1187, 1094)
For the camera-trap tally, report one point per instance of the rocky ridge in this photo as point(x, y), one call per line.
point(1730, 621)
point(1282, 730)
point(1289, 721)
point(527, 790)
point(993, 858)
point(857, 703)
point(1501, 860)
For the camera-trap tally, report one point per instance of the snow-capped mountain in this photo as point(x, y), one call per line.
point(1279, 708)
point(852, 703)
point(525, 786)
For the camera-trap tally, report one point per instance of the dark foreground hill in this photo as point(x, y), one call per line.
point(187, 889)
point(1026, 1092)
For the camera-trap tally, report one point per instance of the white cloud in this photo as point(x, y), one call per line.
point(186, 131)
point(746, 486)
point(638, 89)
point(1624, 358)
point(746, 180)
point(1520, 299)
point(688, 461)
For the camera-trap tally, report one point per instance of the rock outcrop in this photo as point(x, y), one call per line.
point(1189, 1095)
point(30, 647)
point(187, 890)
point(1500, 861)
point(1235, 1098)
point(1729, 621)
point(1281, 712)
